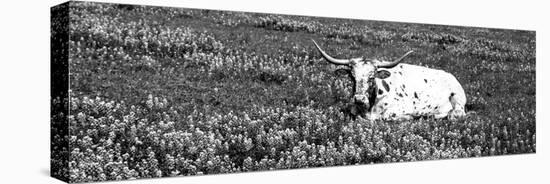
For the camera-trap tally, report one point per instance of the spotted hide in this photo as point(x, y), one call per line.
point(398, 91)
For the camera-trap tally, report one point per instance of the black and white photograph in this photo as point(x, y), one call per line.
point(150, 92)
point(275, 92)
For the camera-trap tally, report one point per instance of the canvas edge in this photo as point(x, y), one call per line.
point(59, 91)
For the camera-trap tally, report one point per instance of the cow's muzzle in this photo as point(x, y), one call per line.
point(361, 101)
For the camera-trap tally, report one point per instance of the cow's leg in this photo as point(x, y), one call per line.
point(392, 115)
point(372, 116)
point(403, 117)
point(457, 110)
point(441, 115)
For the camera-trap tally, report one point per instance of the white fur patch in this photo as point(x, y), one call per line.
point(413, 91)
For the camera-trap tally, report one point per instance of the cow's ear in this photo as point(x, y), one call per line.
point(382, 74)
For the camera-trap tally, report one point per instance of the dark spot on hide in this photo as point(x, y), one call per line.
point(403, 86)
point(426, 81)
point(400, 95)
point(380, 92)
point(400, 73)
point(451, 97)
point(386, 86)
point(415, 95)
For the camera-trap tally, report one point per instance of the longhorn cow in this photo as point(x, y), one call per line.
point(398, 91)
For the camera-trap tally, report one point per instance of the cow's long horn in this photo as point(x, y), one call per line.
point(393, 63)
point(329, 58)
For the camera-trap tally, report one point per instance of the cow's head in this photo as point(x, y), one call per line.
point(363, 71)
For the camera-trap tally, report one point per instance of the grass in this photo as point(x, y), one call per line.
point(162, 91)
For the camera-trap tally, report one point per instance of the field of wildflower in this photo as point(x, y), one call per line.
point(158, 91)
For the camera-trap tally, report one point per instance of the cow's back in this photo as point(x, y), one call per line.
point(416, 91)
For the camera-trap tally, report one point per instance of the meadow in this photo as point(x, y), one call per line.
point(158, 91)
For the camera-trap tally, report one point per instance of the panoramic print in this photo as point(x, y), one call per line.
point(149, 92)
